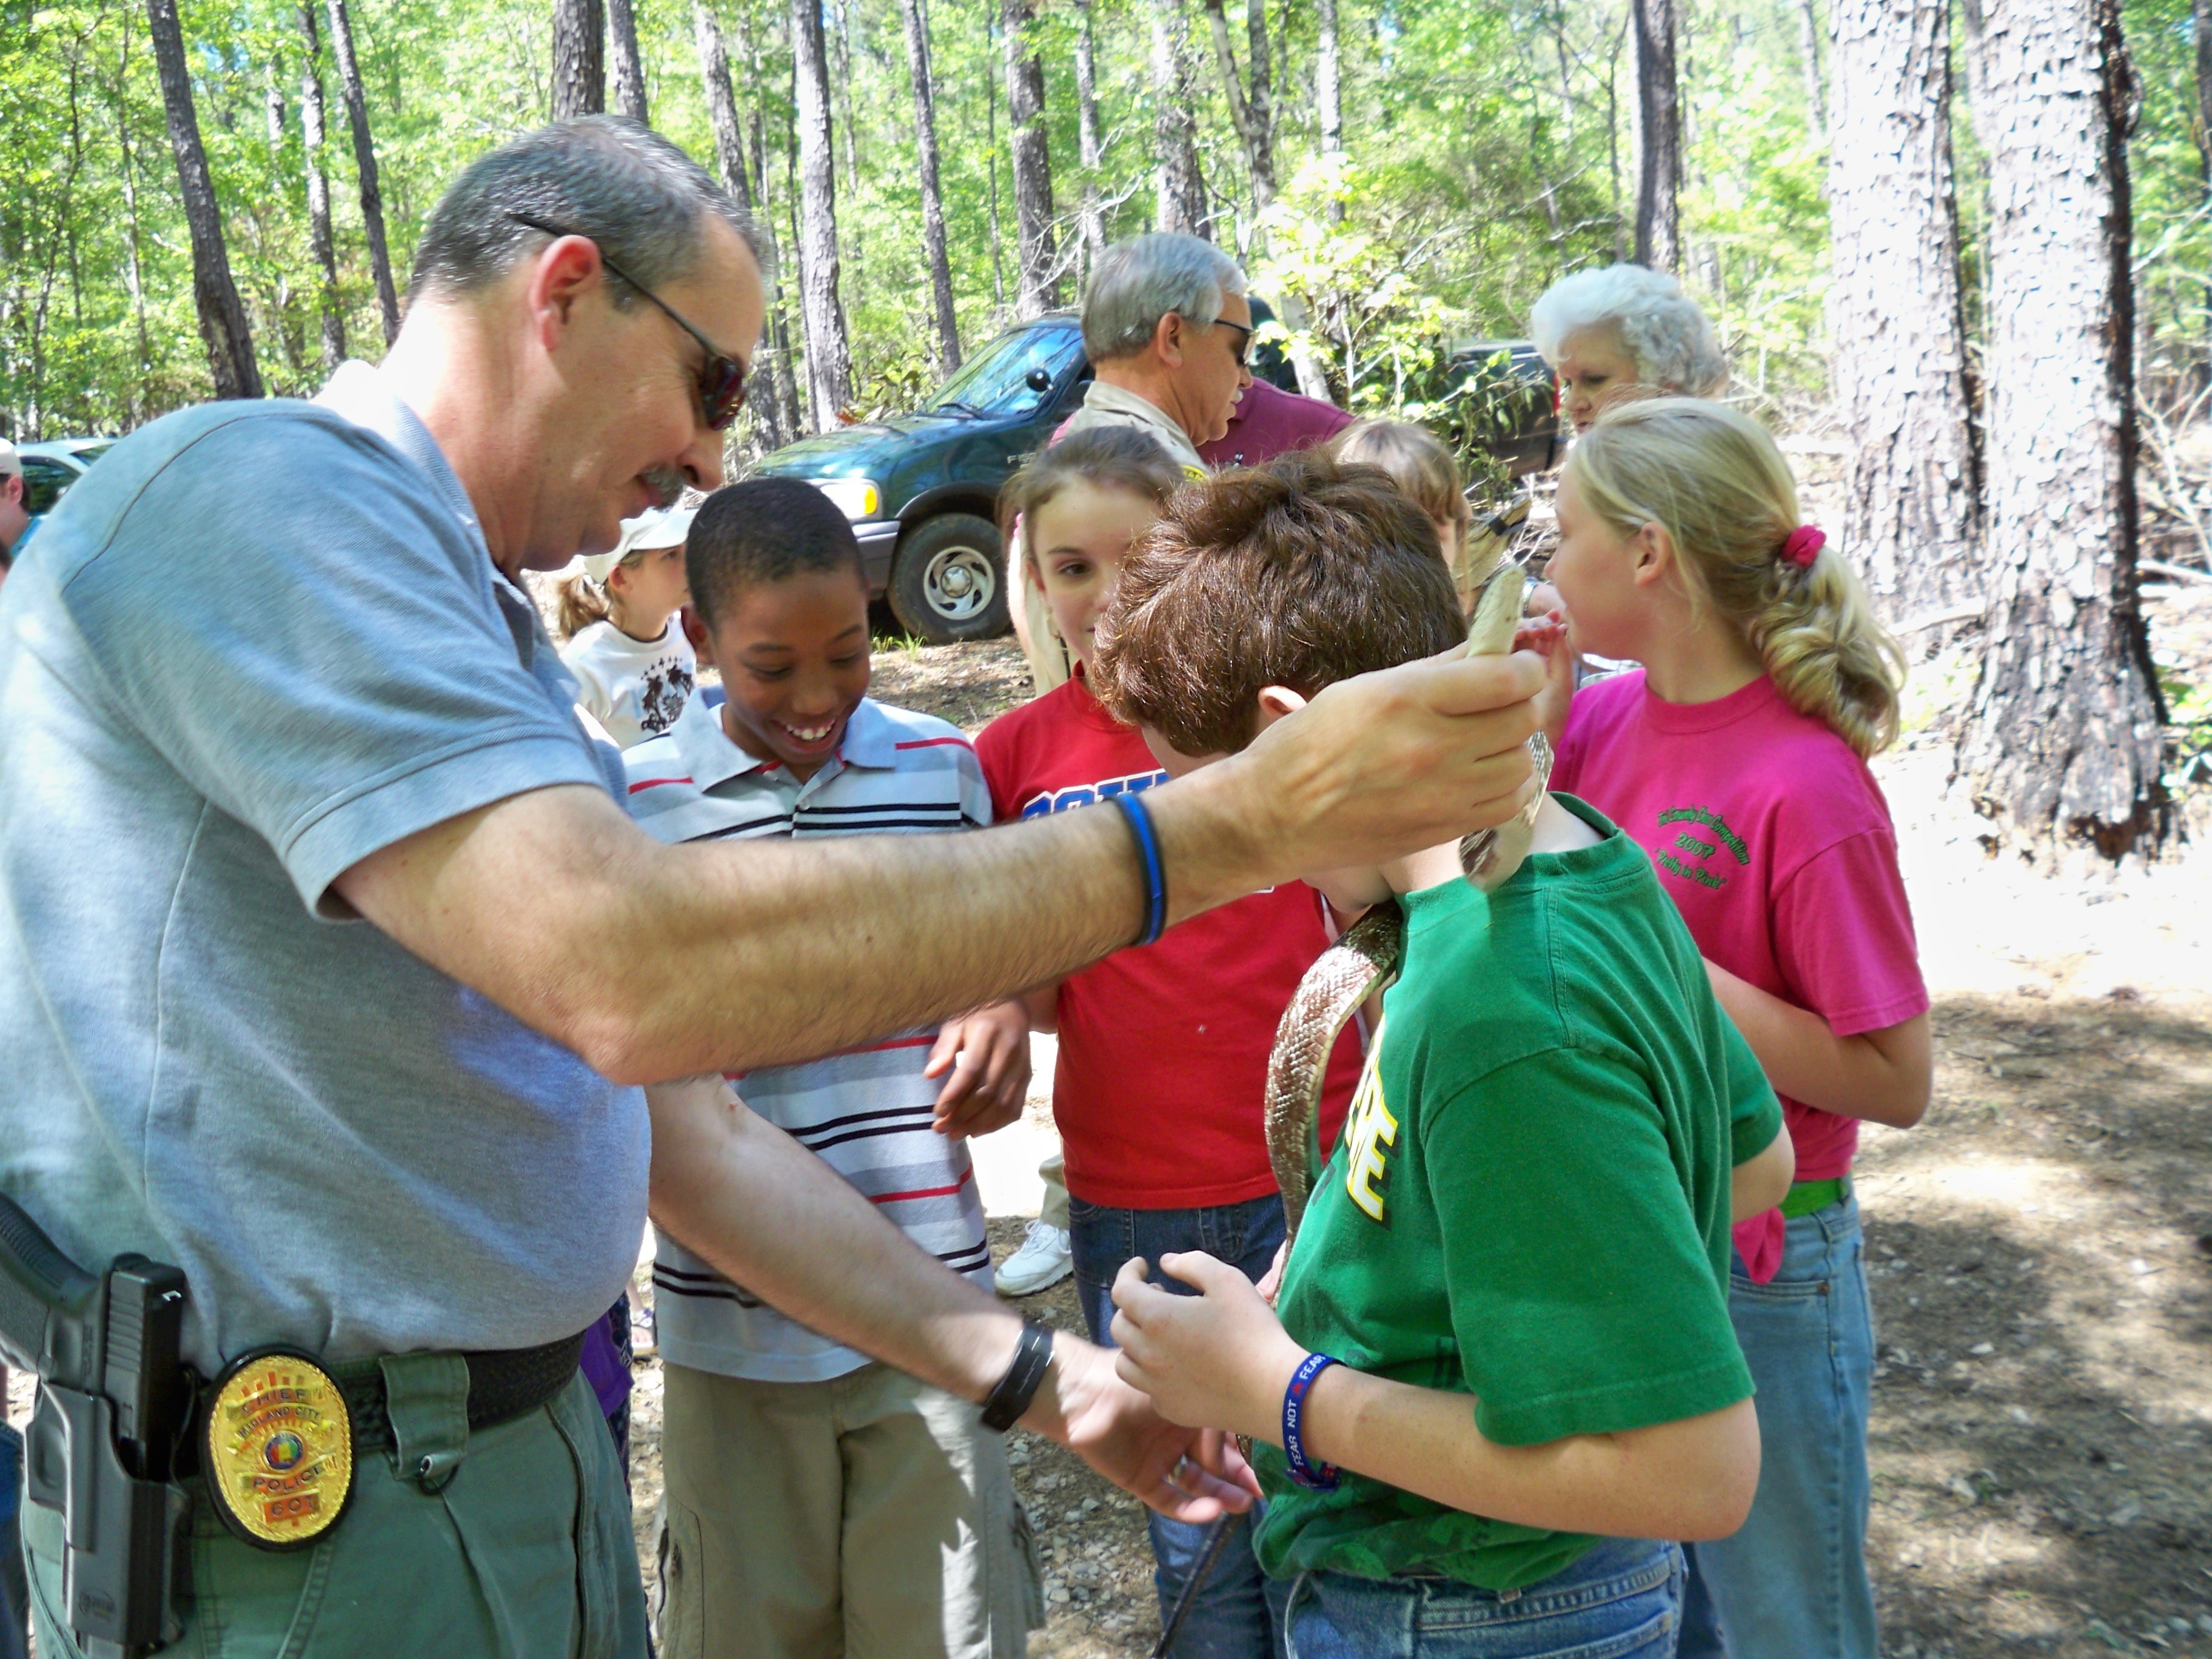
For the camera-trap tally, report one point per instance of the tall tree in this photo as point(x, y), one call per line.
point(1250, 111)
point(1175, 123)
point(916, 23)
point(629, 67)
point(1328, 93)
point(784, 420)
point(2063, 747)
point(721, 103)
point(1911, 505)
point(1808, 52)
point(364, 161)
point(829, 356)
point(580, 76)
point(1038, 285)
point(222, 315)
point(1656, 126)
point(1086, 130)
point(319, 238)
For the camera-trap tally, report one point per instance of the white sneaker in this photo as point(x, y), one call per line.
point(1043, 1260)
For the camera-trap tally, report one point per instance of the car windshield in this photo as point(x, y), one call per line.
point(997, 382)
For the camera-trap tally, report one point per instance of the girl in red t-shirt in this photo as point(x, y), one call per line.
point(1736, 756)
point(1162, 1048)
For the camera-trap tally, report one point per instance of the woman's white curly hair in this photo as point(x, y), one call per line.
point(1665, 331)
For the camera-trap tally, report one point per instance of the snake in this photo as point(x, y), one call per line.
point(1366, 957)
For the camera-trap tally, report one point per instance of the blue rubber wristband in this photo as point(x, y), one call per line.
point(1139, 818)
point(1302, 1471)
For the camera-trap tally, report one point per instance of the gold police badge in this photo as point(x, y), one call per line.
point(279, 1449)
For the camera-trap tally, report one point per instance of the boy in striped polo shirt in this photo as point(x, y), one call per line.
point(818, 1504)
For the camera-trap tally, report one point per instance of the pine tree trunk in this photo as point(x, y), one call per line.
point(1808, 47)
point(1175, 123)
point(1655, 126)
point(2200, 16)
point(1263, 81)
point(722, 104)
point(828, 357)
point(1328, 92)
point(364, 160)
point(629, 67)
point(1246, 113)
point(991, 152)
point(222, 315)
point(1038, 289)
point(782, 416)
point(1086, 130)
point(1912, 501)
point(318, 191)
point(580, 78)
point(2063, 747)
point(916, 25)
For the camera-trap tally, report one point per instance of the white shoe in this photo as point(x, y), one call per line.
point(1043, 1260)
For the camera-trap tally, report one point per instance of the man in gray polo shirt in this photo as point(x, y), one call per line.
point(329, 961)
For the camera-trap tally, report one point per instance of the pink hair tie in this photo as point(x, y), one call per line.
point(1804, 546)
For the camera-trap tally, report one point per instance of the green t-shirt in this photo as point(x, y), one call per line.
point(1529, 1202)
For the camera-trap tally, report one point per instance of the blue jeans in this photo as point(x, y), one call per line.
point(15, 1599)
point(1792, 1584)
point(1622, 1600)
point(1236, 1613)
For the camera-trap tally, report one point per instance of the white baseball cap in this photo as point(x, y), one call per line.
point(11, 464)
point(660, 526)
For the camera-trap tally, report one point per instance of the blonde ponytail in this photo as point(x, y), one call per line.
point(579, 603)
point(1715, 480)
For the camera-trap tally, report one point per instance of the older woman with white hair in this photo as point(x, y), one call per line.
point(1624, 328)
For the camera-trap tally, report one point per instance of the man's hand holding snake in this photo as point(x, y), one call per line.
point(1371, 769)
point(1186, 1475)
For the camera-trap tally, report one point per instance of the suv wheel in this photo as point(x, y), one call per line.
point(946, 581)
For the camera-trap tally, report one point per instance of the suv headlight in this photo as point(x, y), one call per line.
point(856, 498)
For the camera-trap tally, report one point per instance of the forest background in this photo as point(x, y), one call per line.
point(1984, 325)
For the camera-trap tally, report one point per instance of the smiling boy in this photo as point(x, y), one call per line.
point(787, 1456)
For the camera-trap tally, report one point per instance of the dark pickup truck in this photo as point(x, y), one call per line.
point(922, 489)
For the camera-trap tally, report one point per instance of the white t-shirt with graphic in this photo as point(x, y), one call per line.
point(633, 688)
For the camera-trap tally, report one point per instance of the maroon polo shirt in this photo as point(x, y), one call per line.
point(1268, 422)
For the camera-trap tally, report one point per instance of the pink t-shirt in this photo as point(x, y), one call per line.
point(1775, 842)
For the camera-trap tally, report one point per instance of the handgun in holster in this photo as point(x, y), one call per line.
point(115, 1401)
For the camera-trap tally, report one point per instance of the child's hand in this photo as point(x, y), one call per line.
point(987, 1053)
point(1547, 637)
point(1218, 1359)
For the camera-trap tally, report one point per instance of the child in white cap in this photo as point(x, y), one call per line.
point(630, 659)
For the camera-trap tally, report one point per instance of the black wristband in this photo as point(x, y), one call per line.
point(1005, 1404)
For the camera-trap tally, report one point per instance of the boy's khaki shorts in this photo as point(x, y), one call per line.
point(869, 1516)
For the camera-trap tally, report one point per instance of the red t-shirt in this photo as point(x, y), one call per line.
point(1162, 1049)
point(1775, 844)
point(1269, 421)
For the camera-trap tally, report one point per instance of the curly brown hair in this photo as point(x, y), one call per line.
point(1300, 573)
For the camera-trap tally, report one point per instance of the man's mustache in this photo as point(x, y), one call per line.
point(666, 484)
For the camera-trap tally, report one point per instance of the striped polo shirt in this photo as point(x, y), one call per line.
point(866, 1112)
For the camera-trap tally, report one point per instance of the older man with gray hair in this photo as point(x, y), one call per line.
point(1168, 328)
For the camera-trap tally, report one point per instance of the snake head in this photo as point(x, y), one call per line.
point(1489, 857)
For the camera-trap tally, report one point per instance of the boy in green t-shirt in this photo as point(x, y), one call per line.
point(1530, 1203)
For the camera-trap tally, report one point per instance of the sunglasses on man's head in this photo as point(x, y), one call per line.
point(721, 378)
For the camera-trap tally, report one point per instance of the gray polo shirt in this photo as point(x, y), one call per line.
point(260, 641)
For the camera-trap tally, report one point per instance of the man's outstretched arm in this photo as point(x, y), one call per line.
point(656, 962)
point(772, 1216)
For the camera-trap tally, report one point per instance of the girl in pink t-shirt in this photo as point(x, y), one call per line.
point(1736, 756)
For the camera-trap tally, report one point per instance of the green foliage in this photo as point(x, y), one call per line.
point(1487, 155)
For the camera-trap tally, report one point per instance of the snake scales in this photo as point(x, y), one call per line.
point(1366, 959)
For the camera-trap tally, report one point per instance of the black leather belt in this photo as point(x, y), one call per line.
point(503, 1383)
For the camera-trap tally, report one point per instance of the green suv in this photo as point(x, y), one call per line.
point(922, 489)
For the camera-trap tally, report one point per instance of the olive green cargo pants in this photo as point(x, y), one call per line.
point(512, 1542)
